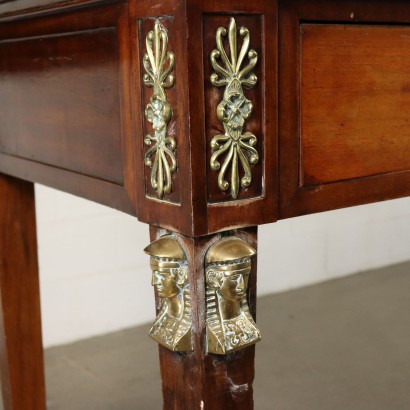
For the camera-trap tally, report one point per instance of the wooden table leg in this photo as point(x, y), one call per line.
point(199, 380)
point(21, 350)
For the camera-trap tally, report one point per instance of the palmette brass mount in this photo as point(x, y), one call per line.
point(229, 324)
point(159, 63)
point(172, 327)
point(233, 110)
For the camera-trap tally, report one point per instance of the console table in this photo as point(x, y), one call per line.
point(202, 119)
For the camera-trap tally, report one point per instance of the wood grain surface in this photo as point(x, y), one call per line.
point(330, 115)
point(260, 202)
point(64, 90)
point(355, 100)
point(342, 141)
point(344, 135)
point(198, 207)
point(75, 74)
point(21, 350)
point(50, 81)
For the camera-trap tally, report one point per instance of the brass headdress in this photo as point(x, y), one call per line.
point(227, 253)
point(165, 252)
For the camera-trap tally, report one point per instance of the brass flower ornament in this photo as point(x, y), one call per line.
point(159, 63)
point(235, 147)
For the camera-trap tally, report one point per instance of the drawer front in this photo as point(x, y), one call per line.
point(355, 101)
point(344, 104)
point(63, 95)
point(60, 102)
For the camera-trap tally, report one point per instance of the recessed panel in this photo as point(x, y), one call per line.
point(355, 101)
point(60, 102)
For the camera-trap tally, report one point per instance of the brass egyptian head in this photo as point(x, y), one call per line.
point(167, 264)
point(230, 326)
point(172, 327)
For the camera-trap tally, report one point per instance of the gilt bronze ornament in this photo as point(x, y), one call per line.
point(172, 327)
point(229, 324)
point(159, 64)
point(236, 146)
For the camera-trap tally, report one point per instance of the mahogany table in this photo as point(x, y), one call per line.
point(203, 119)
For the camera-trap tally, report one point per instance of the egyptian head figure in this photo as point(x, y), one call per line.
point(172, 327)
point(229, 324)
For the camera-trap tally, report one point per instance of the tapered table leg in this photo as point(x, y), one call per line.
point(198, 379)
point(21, 351)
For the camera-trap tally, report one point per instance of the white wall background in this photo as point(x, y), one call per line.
point(95, 277)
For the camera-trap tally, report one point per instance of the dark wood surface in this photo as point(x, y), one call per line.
point(95, 53)
point(330, 116)
point(359, 166)
point(68, 76)
point(200, 209)
point(244, 212)
point(21, 350)
point(219, 382)
point(354, 123)
point(176, 209)
point(42, 76)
